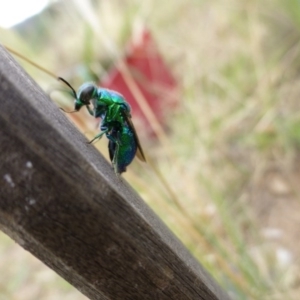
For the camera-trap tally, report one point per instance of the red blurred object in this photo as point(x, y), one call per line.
point(152, 77)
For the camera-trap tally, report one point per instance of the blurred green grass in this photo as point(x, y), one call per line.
point(230, 162)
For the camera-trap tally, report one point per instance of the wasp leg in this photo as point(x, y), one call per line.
point(116, 152)
point(115, 159)
point(98, 136)
point(91, 112)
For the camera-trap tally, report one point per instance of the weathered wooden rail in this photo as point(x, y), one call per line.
point(60, 200)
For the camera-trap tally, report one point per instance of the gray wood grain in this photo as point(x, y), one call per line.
point(60, 200)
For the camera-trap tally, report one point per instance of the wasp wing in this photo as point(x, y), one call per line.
point(139, 153)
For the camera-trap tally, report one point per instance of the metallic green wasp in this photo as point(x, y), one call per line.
point(116, 122)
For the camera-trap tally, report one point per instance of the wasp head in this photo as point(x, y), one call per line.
point(85, 94)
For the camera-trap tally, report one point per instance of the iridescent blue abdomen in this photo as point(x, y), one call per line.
point(126, 151)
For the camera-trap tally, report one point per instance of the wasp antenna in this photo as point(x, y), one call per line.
point(68, 112)
point(30, 62)
point(69, 85)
